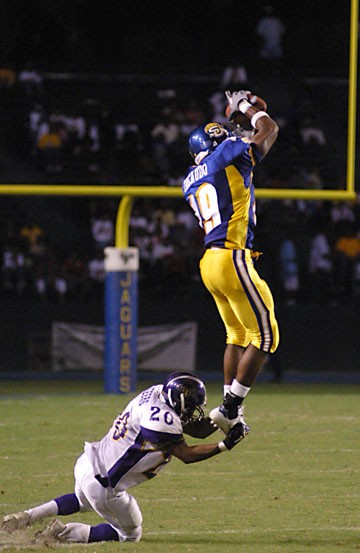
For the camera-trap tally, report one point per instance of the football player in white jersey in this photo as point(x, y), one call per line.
point(140, 443)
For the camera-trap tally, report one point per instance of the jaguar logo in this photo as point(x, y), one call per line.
point(126, 256)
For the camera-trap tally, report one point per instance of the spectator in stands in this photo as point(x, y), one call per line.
point(58, 121)
point(72, 275)
point(8, 79)
point(189, 224)
point(13, 269)
point(289, 269)
point(31, 81)
point(160, 228)
point(356, 282)
point(102, 229)
point(36, 117)
point(164, 214)
point(234, 77)
point(31, 235)
point(141, 229)
point(342, 212)
point(76, 125)
point(313, 178)
point(60, 287)
point(347, 255)
point(164, 135)
point(129, 149)
point(161, 252)
point(49, 150)
point(270, 29)
point(217, 105)
point(311, 133)
point(90, 147)
point(139, 216)
point(320, 267)
point(193, 115)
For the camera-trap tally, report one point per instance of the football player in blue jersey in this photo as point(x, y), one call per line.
point(138, 445)
point(219, 188)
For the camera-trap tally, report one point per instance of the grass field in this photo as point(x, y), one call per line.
point(291, 486)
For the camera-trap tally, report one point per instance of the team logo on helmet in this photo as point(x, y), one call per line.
point(205, 139)
point(215, 130)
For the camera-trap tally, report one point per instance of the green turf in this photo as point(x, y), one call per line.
point(291, 486)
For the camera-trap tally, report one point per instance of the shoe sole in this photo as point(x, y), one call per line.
point(224, 424)
point(52, 531)
point(10, 523)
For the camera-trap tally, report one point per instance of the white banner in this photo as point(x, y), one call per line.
point(163, 347)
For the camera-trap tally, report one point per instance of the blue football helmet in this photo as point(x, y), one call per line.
point(206, 138)
point(186, 394)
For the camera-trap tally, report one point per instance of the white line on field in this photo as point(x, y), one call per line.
point(247, 496)
point(256, 530)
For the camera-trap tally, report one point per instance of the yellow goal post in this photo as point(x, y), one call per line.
point(129, 193)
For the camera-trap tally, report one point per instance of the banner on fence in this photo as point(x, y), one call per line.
point(162, 347)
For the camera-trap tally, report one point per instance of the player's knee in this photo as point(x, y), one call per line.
point(131, 522)
point(126, 510)
point(133, 534)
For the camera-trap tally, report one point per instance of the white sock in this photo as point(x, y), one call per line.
point(226, 389)
point(49, 509)
point(238, 389)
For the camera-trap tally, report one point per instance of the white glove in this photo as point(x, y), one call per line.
point(235, 99)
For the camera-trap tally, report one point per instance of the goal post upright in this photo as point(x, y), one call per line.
point(122, 261)
point(352, 94)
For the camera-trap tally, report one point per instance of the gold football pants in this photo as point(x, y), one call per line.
point(243, 299)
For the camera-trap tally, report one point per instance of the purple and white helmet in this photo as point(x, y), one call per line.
point(186, 394)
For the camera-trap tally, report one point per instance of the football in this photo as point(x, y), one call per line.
point(240, 118)
point(200, 429)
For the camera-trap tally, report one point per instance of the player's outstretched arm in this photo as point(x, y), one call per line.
point(266, 129)
point(195, 453)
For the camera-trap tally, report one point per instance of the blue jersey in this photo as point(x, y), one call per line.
point(221, 193)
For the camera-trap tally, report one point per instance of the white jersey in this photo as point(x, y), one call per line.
point(133, 449)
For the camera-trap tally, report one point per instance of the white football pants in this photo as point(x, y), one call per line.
point(120, 509)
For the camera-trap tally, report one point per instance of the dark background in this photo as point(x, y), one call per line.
point(192, 37)
point(169, 42)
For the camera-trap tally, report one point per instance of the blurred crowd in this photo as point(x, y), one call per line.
point(311, 249)
point(65, 135)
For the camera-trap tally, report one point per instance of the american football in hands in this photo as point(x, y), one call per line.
point(200, 428)
point(240, 119)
